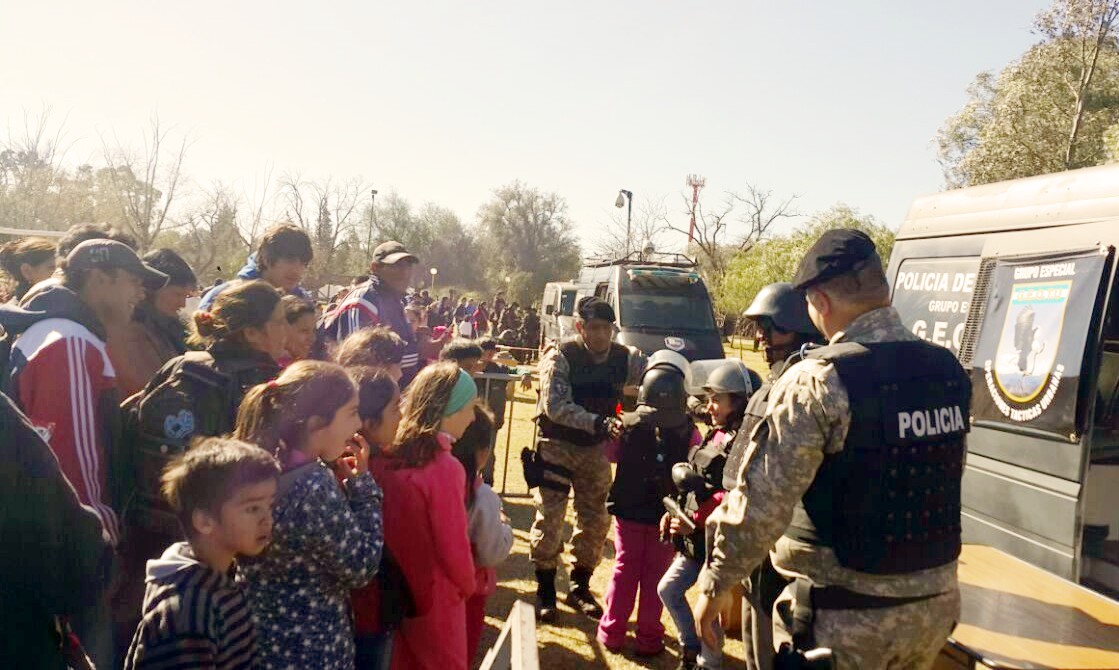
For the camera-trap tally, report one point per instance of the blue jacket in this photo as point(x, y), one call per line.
point(250, 271)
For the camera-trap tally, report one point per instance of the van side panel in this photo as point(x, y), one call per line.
point(1020, 492)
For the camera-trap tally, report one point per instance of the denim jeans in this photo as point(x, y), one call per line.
point(673, 590)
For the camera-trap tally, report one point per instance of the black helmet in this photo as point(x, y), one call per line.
point(662, 388)
point(784, 305)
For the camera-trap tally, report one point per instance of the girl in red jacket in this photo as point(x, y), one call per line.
point(425, 520)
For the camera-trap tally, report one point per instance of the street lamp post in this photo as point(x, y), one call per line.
point(433, 271)
point(626, 198)
point(369, 238)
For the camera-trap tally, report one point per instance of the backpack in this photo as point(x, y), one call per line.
point(190, 397)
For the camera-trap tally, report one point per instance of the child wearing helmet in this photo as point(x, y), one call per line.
point(699, 490)
point(656, 435)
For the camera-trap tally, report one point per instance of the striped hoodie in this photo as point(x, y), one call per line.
point(193, 617)
point(60, 375)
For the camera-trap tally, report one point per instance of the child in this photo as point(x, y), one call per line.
point(466, 353)
point(491, 537)
point(193, 614)
point(377, 347)
point(380, 605)
point(301, 329)
point(658, 434)
point(498, 394)
point(727, 394)
point(327, 538)
point(425, 526)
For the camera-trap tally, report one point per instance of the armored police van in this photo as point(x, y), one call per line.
point(1018, 279)
point(660, 304)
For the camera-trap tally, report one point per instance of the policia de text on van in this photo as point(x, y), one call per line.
point(862, 445)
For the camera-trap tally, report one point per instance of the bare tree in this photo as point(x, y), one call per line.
point(719, 235)
point(212, 231)
point(648, 228)
point(145, 183)
point(33, 193)
point(330, 212)
point(760, 211)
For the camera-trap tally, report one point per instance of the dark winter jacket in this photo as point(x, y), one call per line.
point(53, 556)
point(644, 475)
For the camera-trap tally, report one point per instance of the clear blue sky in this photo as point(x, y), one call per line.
point(443, 101)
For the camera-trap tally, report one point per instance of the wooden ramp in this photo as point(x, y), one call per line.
point(516, 646)
point(1016, 615)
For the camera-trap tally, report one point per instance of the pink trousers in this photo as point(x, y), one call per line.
point(640, 560)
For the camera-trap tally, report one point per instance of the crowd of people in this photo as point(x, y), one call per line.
point(213, 494)
point(279, 485)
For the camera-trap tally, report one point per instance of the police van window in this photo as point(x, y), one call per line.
point(1107, 408)
point(567, 303)
point(933, 295)
point(679, 308)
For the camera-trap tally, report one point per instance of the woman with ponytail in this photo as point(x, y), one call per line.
point(425, 525)
point(193, 395)
point(326, 536)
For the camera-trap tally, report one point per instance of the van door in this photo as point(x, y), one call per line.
point(1033, 380)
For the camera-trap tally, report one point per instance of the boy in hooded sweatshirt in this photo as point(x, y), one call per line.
point(194, 615)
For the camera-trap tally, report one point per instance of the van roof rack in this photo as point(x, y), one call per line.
point(672, 260)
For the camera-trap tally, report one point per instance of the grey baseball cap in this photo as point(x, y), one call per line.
point(391, 253)
point(105, 254)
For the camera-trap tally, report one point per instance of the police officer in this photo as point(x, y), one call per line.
point(582, 381)
point(853, 476)
point(781, 317)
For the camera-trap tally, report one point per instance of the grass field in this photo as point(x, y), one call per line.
point(570, 642)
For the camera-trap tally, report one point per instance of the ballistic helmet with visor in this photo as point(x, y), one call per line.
point(783, 307)
point(729, 378)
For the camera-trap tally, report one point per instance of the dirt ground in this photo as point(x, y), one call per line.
point(570, 642)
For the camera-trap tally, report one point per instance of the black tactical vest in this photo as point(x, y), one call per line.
point(710, 462)
point(755, 412)
point(596, 387)
point(889, 502)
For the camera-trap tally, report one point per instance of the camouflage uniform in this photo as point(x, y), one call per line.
point(808, 416)
point(590, 471)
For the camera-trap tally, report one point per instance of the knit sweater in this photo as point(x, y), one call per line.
point(193, 617)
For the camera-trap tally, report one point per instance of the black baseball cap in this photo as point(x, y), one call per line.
point(105, 254)
point(592, 307)
point(391, 253)
point(836, 253)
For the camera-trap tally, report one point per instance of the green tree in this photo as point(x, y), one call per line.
point(1047, 111)
point(525, 234)
point(776, 259)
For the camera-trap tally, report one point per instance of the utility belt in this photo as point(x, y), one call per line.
point(809, 598)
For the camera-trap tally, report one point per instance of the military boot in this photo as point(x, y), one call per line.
point(580, 597)
point(546, 596)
